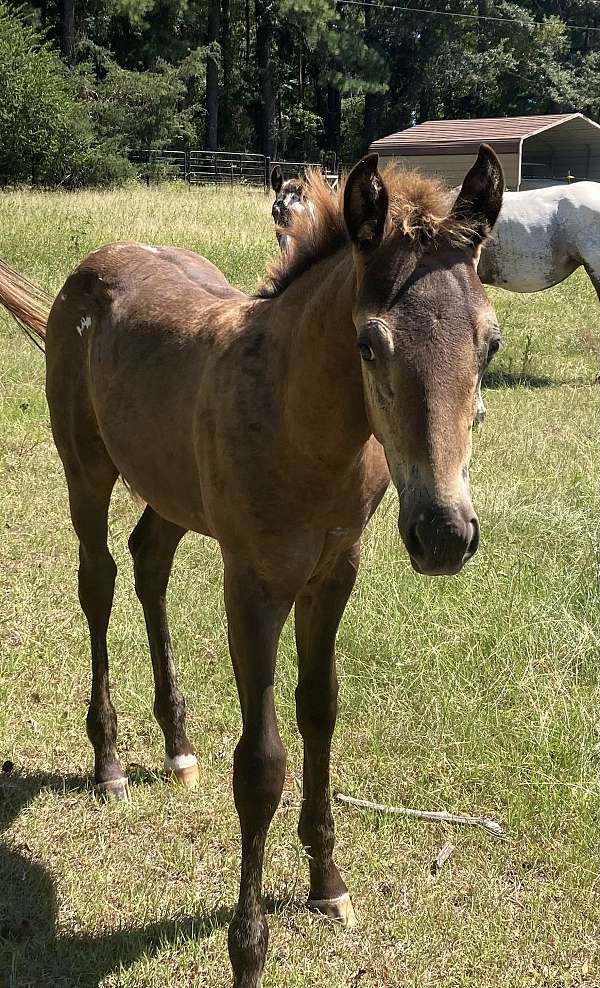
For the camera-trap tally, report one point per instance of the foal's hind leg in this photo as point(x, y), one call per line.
point(152, 544)
point(90, 483)
point(318, 613)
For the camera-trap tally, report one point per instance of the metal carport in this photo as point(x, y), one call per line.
point(535, 151)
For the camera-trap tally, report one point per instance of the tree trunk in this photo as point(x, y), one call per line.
point(212, 79)
point(333, 118)
point(225, 124)
point(66, 30)
point(372, 114)
point(264, 39)
point(247, 29)
point(373, 101)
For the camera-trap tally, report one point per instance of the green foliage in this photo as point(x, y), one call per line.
point(136, 109)
point(337, 75)
point(43, 129)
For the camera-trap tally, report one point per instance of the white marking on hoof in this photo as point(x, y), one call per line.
point(179, 762)
point(85, 323)
point(184, 768)
point(340, 909)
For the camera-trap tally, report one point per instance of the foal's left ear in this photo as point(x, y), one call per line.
point(480, 198)
point(276, 179)
point(365, 204)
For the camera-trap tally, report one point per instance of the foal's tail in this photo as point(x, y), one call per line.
point(28, 304)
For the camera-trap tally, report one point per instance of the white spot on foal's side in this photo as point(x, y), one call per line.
point(153, 250)
point(86, 322)
point(179, 762)
point(63, 296)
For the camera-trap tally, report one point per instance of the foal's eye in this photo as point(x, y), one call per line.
point(493, 347)
point(365, 350)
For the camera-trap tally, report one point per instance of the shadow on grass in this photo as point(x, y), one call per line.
point(506, 379)
point(32, 953)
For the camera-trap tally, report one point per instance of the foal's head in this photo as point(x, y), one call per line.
point(289, 199)
point(425, 333)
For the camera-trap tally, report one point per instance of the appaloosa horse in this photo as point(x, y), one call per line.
point(542, 236)
point(272, 423)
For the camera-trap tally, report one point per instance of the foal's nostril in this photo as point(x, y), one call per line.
point(414, 542)
point(474, 539)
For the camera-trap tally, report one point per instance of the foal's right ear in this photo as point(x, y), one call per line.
point(365, 204)
point(276, 179)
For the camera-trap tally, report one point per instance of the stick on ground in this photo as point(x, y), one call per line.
point(445, 852)
point(491, 826)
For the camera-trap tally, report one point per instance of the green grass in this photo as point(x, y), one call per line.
point(474, 694)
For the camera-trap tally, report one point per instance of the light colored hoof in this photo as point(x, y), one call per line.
point(185, 769)
point(338, 910)
point(115, 790)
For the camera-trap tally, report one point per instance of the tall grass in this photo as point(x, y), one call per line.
point(475, 693)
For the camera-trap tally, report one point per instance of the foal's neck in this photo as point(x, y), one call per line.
point(324, 406)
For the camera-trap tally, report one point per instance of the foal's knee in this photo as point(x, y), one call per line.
point(97, 575)
point(316, 710)
point(258, 777)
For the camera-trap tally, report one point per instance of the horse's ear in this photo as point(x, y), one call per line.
point(276, 179)
point(365, 204)
point(480, 199)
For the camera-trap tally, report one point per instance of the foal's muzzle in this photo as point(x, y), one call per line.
point(439, 539)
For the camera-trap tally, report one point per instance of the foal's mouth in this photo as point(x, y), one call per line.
point(436, 549)
point(446, 570)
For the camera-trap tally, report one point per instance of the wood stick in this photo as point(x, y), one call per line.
point(491, 826)
point(445, 852)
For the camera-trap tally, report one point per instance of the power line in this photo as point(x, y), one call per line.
point(459, 16)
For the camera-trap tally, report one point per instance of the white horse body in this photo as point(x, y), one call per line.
point(542, 236)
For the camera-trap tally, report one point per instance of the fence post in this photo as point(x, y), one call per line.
point(267, 172)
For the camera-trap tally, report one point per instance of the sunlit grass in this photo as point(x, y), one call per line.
point(473, 694)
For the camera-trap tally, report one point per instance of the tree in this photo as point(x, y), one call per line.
point(212, 76)
point(263, 10)
point(67, 30)
point(43, 128)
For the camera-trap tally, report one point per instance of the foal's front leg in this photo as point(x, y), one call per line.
point(255, 615)
point(318, 613)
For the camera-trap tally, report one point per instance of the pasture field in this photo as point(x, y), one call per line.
point(475, 693)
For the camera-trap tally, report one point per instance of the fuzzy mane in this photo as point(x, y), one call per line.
point(419, 209)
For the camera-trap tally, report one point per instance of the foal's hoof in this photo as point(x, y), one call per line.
point(184, 768)
point(339, 910)
point(115, 790)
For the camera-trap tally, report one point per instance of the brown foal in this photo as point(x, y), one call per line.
point(272, 424)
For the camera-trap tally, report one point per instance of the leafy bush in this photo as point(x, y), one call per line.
point(136, 110)
point(99, 165)
point(43, 129)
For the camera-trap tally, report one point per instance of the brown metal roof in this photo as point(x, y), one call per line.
point(505, 134)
